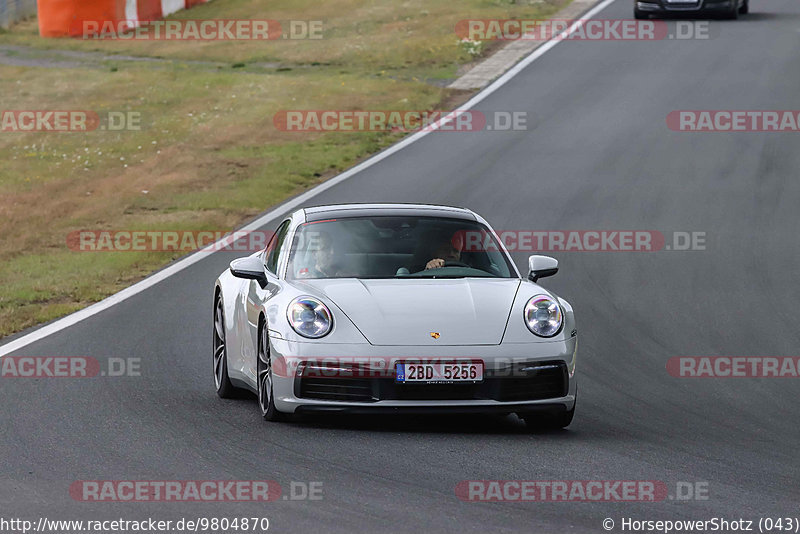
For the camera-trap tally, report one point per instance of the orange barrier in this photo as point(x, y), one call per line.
point(70, 18)
point(149, 9)
point(63, 18)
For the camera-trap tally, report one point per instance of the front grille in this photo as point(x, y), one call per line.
point(524, 389)
point(534, 381)
point(339, 389)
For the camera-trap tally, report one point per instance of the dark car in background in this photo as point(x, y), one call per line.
point(730, 9)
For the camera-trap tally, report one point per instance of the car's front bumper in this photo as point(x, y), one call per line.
point(552, 407)
point(519, 377)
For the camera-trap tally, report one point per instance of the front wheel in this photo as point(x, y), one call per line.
point(225, 388)
point(639, 15)
point(266, 399)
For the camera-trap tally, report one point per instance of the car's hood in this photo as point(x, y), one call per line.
point(464, 311)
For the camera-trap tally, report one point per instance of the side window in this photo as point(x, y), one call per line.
point(270, 247)
point(275, 247)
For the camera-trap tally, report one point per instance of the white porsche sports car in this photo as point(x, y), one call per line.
point(375, 308)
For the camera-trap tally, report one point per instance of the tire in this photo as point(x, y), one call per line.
point(266, 399)
point(745, 9)
point(639, 15)
point(552, 421)
point(225, 389)
point(733, 14)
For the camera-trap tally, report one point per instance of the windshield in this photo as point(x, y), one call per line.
point(396, 247)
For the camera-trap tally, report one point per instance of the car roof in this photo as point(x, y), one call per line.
point(339, 211)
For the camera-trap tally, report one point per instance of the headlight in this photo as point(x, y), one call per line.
point(543, 316)
point(309, 317)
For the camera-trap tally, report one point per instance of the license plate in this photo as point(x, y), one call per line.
point(440, 373)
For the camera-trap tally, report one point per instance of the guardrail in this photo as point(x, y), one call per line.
point(14, 10)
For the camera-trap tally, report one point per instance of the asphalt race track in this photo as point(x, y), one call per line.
point(597, 155)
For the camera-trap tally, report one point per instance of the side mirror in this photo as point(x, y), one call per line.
point(250, 268)
point(541, 267)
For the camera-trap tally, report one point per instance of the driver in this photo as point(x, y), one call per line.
point(447, 250)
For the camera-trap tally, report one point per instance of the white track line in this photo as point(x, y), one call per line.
point(177, 267)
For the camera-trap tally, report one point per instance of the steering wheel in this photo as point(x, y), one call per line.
point(451, 263)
